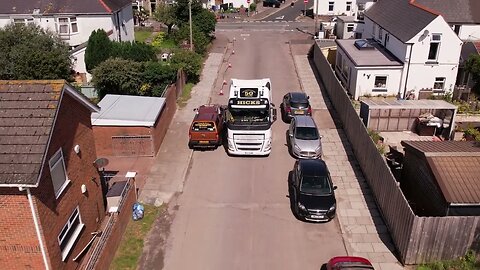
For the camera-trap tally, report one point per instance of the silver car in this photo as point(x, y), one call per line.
point(304, 138)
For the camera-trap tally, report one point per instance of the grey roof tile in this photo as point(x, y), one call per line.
point(62, 6)
point(455, 11)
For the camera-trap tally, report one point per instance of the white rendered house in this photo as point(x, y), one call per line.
point(423, 43)
point(73, 21)
point(341, 7)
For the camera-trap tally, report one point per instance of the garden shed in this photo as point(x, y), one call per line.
point(131, 125)
point(422, 116)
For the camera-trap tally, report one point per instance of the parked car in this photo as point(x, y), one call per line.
point(271, 3)
point(295, 103)
point(206, 129)
point(312, 191)
point(304, 139)
point(349, 262)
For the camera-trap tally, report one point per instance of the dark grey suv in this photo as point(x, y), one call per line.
point(312, 191)
point(295, 103)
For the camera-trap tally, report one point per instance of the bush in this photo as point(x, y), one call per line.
point(200, 41)
point(253, 7)
point(190, 62)
point(99, 48)
point(157, 75)
point(135, 51)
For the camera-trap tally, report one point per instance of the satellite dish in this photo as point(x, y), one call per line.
point(100, 163)
point(424, 35)
point(426, 32)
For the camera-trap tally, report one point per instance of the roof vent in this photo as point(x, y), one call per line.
point(363, 44)
point(36, 11)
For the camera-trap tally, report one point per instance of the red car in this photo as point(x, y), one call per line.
point(349, 263)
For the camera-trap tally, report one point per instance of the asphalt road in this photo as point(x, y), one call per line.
point(280, 27)
point(234, 212)
point(290, 13)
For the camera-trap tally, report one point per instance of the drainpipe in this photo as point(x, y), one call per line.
point(37, 227)
point(119, 26)
point(408, 70)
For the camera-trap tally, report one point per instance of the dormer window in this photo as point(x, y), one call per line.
point(23, 21)
point(434, 47)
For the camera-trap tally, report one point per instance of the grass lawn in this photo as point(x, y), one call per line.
point(142, 35)
point(182, 101)
point(131, 246)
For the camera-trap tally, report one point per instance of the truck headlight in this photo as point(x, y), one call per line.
point(301, 206)
point(332, 208)
point(230, 144)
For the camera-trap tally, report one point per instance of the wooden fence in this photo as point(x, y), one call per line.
point(417, 239)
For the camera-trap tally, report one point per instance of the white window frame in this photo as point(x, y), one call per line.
point(350, 26)
point(380, 88)
point(439, 80)
point(70, 22)
point(331, 6)
point(433, 40)
point(23, 20)
point(55, 161)
point(349, 6)
point(72, 228)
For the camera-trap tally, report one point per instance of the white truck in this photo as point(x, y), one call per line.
point(249, 117)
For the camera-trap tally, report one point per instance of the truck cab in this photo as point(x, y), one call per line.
point(206, 130)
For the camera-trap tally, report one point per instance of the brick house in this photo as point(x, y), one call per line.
point(50, 192)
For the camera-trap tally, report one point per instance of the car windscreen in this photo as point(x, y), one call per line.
point(300, 105)
point(316, 185)
point(203, 126)
point(306, 133)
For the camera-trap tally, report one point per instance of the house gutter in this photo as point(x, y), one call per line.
point(37, 227)
point(408, 71)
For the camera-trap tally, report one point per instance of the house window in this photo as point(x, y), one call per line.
point(350, 27)
point(439, 84)
point(380, 83)
point(58, 173)
point(345, 69)
point(374, 29)
point(380, 34)
point(330, 6)
point(23, 21)
point(456, 29)
point(349, 6)
point(434, 47)
point(70, 232)
point(67, 25)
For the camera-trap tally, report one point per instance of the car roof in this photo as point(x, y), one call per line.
point(343, 259)
point(298, 97)
point(313, 167)
point(206, 113)
point(304, 121)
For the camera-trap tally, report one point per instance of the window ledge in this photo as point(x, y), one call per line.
point(60, 191)
point(379, 90)
point(431, 63)
point(72, 241)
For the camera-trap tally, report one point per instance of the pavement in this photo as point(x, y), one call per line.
point(362, 227)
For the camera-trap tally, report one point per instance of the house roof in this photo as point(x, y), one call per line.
point(27, 114)
point(124, 110)
point(454, 165)
point(377, 56)
point(347, 18)
point(62, 6)
point(454, 11)
point(401, 18)
point(420, 104)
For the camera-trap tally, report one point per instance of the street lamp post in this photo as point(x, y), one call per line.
point(190, 21)
point(316, 19)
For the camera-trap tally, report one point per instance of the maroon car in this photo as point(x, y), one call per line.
point(349, 263)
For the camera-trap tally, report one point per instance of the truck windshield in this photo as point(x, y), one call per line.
point(248, 117)
point(203, 126)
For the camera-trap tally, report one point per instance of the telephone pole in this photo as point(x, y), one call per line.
point(316, 19)
point(190, 21)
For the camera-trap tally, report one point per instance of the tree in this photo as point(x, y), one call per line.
point(473, 67)
point(28, 52)
point(205, 21)
point(165, 14)
point(156, 76)
point(181, 11)
point(200, 41)
point(99, 48)
point(190, 62)
point(117, 76)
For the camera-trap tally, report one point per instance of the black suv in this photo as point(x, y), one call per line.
point(271, 3)
point(295, 103)
point(312, 191)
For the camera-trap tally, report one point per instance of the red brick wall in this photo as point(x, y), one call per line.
point(118, 230)
point(103, 136)
point(166, 116)
point(19, 246)
point(72, 127)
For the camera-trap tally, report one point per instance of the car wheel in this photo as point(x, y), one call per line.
point(277, 6)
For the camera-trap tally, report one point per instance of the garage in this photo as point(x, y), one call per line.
point(131, 126)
